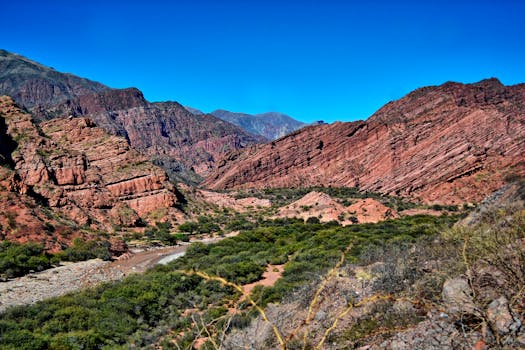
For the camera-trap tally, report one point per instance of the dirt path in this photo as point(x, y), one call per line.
point(139, 262)
point(269, 277)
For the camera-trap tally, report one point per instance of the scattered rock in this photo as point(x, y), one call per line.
point(457, 297)
point(501, 318)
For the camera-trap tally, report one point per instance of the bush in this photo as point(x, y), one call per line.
point(496, 242)
point(84, 250)
point(133, 313)
point(19, 259)
point(161, 232)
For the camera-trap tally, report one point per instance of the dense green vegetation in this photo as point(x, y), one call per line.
point(149, 309)
point(82, 250)
point(18, 259)
point(161, 232)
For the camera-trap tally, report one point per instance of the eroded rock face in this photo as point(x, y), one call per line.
point(181, 143)
point(85, 174)
point(176, 139)
point(446, 144)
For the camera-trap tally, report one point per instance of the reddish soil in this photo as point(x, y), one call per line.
point(270, 276)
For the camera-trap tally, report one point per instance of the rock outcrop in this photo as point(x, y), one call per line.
point(77, 171)
point(184, 144)
point(325, 208)
point(445, 144)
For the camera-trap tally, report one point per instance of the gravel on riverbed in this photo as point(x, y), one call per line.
point(55, 282)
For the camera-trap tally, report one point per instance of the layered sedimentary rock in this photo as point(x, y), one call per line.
point(80, 172)
point(185, 145)
point(171, 136)
point(452, 144)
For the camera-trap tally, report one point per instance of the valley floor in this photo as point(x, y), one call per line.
point(55, 282)
point(75, 276)
point(79, 275)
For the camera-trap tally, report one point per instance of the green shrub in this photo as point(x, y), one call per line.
point(134, 313)
point(82, 250)
point(18, 259)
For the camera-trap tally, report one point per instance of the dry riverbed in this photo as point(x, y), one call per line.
point(76, 276)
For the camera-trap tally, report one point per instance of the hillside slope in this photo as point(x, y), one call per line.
point(32, 84)
point(175, 139)
point(271, 125)
point(74, 171)
point(451, 144)
point(185, 145)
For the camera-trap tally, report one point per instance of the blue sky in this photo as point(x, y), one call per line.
point(314, 60)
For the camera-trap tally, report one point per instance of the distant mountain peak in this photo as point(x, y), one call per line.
point(449, 144)
point(271, 125)
point(183, 143)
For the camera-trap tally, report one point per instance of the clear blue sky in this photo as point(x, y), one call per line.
point(322, 59)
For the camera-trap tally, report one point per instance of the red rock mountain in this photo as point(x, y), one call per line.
point(32, 84)
point(185, 145)
point(177, 140)
point(452, 143)
point(76, 173)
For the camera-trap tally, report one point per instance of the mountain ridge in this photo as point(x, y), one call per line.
point(185, 145)
point(271, 125)
point(73, 169)
point(428, 145)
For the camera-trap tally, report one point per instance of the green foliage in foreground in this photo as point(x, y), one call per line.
point(82, 250)
point(143, 309)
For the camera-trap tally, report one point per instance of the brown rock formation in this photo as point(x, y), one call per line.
point(314, 204)
point(223, 200)
point(166, 132)
point(324, 207)
point(451, 144)
point(82, 173)
point(182, 143)
point(369, 210)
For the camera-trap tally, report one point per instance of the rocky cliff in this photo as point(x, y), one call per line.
point(75, 170)
point(185, 145)
point(452, 143)
point(177, 140)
